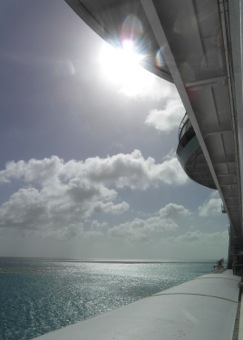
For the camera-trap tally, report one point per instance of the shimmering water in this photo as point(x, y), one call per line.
point(39, 296)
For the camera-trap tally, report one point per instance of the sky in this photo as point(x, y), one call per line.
point(88, 166)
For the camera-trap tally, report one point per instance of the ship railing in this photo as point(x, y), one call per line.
point(184, 126)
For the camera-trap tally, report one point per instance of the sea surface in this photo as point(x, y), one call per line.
point(38, 296)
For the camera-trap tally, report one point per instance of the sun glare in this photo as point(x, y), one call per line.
point(122, 65)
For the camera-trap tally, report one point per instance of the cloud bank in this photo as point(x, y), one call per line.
point(166, 219)
point(64, 197)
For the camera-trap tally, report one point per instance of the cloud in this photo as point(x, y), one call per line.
point(132, 170)
point(144, 229)
point(108, 207)
point(172, 210)
point(55, 206)
point(172, 173)
point(54, 196)
point(121, 170)
point(196, 236)
point(29, 208)
point(65, 233)
point(134, 231)
point(96, 228)
point(31, 171)
point(168, 118)
point(196, 245)
point(24, 209)
point(211, 207)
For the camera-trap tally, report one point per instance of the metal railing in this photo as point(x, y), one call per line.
point(184, 126)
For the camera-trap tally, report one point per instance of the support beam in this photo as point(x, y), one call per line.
point(162, 40)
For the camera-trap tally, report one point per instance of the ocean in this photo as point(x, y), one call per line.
point(38, 296)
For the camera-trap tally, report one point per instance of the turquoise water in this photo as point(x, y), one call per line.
point(40, 296)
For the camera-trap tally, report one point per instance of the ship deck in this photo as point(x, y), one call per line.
point(203, 308)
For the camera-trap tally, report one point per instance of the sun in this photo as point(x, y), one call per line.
point(123, 66)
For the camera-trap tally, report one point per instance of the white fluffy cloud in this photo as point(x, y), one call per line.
point(172, 172)
point(121, 170)
point(168, 118)
point(59, 197)
point(211, 207)
point(174, 211)
point(143, 229)
point(132, 170)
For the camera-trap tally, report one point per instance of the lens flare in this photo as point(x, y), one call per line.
point(121, 65)
point(120, 62)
